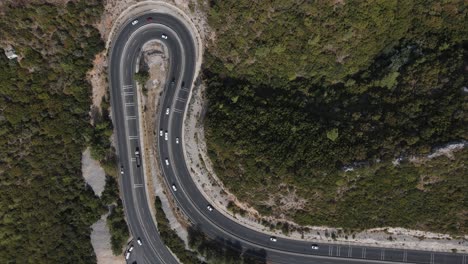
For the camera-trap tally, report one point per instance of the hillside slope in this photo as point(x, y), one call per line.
point(46, 209)
point(299, 91)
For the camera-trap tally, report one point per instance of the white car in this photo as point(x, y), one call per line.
point(130, 249)
point(165, 136)
point(137, 152)
point(273, 239)
point(161, 133)
point(127, 255)
point(139, 241)
point(164, 36)
point(315, 246)
point(121, 170)
point(167, 162)
point(134, 22)
point(177, 140)
point(174, 188)
point(209, 207)
point(167, 111)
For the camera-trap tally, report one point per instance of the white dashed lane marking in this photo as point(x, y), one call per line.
point(127, 87)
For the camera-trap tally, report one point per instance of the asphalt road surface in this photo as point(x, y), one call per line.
point(125, 51)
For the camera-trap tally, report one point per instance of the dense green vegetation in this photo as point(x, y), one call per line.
point(101, 148)
point(142, 77)
point(46, 209)
point(326, 41)
point(299, 90)
point(427, 196)
point(116, 218)
point(170, 237)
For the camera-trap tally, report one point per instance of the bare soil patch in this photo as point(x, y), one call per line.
point(93, 174)
point(100, 239)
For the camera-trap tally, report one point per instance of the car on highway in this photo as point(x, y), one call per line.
point(177, 140)
point(139, 241)
point(174, 188)
point(130, 249)
point(134, 22)
point(165, 136)
point(167, 111)
point(137, 157)
point(315, 246)
point(121, 170)
point(161, 133)
point(167, 162)
point(273, 239)
point(173, 81)
point(209, 207)
point(183, 84)
point(164, 36)
point(127, 256)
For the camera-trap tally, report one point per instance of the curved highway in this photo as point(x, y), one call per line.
point(125, 51)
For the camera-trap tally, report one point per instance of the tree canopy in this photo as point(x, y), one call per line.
point(46, 207)
point(299, 90)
